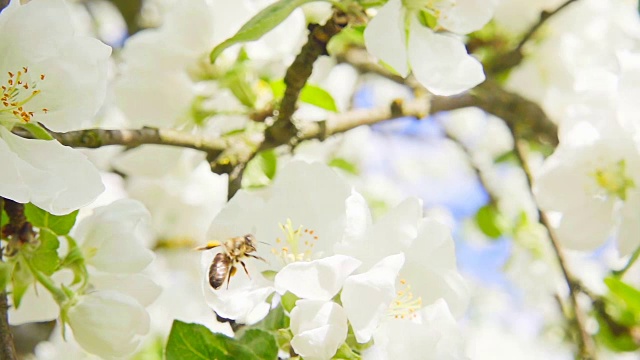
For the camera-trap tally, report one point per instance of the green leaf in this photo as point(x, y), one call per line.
point(195, 341)
point(259, 24)
point(260, 344)
point(310, 94)
point(5, 274)
point(4, 219)
point(21, 279)
point(45, 258)
point(345, 165)
point(288, 301)
point(345, 353)
point(260, 170)
point(37, 131)
point(275, 320)
point(60, 225)
point(625, 292)
point(350, 37)
point(490, 221)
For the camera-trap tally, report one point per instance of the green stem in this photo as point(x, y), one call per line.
point(58, 295)
point(634, 256)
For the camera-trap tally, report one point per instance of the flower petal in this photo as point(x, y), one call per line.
point(440, 62)
point(53, 177)
point(316, 280)
point(366, 297)
point(319, 328)
point(385, 36)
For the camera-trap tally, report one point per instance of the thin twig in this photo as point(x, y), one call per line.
point(586, 345)
point(514, 57)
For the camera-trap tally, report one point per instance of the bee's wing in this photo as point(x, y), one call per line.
point(219, 270)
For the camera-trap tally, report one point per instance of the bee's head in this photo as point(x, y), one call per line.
point(250, 239)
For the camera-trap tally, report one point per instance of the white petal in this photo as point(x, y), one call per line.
point(138, 286)
point(53, 177)
point(319, 328)
point(75, 67)
point(114, 237)
point(440, 62)
point(436, 337)
point(366, 297)
point(385, 36)
point(316, 280)
point(108, 323)
point(466, 16)
point(588, 225)
point(430, 267)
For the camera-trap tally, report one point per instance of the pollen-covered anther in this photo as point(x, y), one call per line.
point(298, 243)
point(19, 90)
point(405, 305)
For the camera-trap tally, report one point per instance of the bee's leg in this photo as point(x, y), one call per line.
point(209, 245)
point(245, 269)
point(258, 257)
point(232, 272)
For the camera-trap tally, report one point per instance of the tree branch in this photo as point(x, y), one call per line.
point(7, 348)
point(586, 345)
point(299, 72)
point(95, 138)
point(514, 57)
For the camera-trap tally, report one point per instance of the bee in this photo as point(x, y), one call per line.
point(223, 266)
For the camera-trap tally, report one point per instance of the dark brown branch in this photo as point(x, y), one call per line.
point(514, 57)
point(298, 73)
point(586, 344)
point(526, 116)
point(7, 348)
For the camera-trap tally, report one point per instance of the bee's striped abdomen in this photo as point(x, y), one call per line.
point(219, 270)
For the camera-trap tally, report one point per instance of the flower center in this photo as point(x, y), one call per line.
point(405, 305)
point(297, 245)
point(613, 180)
point(19, 89)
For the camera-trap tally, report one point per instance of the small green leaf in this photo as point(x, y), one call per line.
point(310, 94)
point(4, 219)
point(490, 221)
point(288, 301)
point(45, 258)
point(195, 341)
point(259, 24)
point(21, 279)
point(260, 170)
point(5, 274)
point(60, 225)
point(345, 353)
point(345, 165)
point(625, 292)
point(37, 131)
point(350, 37)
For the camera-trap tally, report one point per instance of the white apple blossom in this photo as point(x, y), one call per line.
point(293, 222)
point(439, 60)
point(318, 327)
point(113, 238)
point(432, 335)
point(593, 183)
point(108, 323)
point(50, 75)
